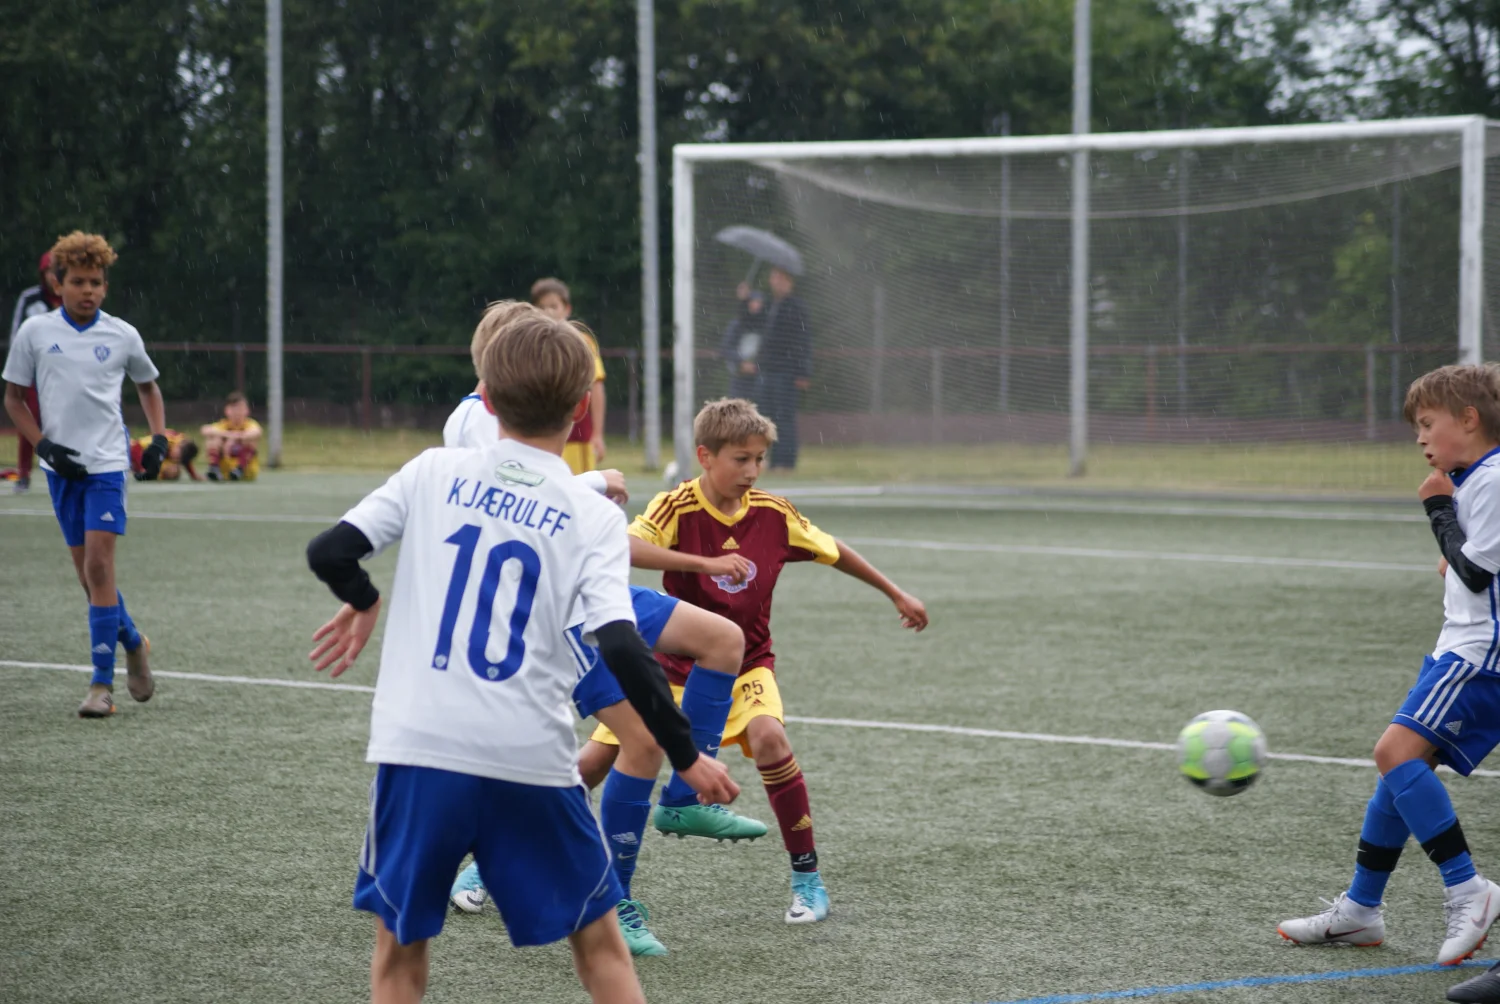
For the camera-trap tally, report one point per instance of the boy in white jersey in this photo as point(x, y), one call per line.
point(1452, 713)
point(470, 724)
point(715, 643)
point(78, 356)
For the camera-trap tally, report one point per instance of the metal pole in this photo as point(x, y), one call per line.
point(877, 356)
point(1078, 335)
point(1396, 299)
point(645, 40)
point(1471, 245)
point(682, 315)
point(1005, 271)
point(1182, 286)
point(275, 237)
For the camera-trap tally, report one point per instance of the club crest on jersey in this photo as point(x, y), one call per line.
point(101, 352)
point(728, 584)
point(512, 473)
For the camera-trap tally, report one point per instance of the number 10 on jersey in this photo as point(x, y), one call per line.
point(467, 540)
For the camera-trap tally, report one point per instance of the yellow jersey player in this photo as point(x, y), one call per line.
point(585, 447)
point(232, 442)
point(181, 452)
point(721, 512)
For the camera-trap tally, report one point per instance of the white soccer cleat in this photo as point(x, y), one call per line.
point(809, 899)
point(1345, 922)
point(1470, 908)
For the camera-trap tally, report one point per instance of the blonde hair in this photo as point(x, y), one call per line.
point(730, 421)
point(81, 250)
point(1454, 388)
point(496, 314)
point(535, 371)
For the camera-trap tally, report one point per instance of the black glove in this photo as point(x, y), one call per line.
point(151, 458)
point(60, 459)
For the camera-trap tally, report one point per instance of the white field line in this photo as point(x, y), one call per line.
point(873, 501)
point(846, 723)
point(920, 545)
point(1113, 553)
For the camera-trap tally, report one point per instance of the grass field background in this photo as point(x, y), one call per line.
point(202, 847)
point(1364, 469)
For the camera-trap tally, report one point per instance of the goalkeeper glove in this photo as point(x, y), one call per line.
point(151, 458)
point(60, 459)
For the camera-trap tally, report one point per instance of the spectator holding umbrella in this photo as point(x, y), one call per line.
point(782, 362)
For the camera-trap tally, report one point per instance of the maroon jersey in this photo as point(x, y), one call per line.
point(768, 531)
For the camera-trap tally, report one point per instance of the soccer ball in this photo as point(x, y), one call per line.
point(1221, 752)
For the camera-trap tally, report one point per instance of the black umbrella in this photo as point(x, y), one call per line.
point(764, 245)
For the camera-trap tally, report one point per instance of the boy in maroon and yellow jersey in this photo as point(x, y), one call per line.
point(721, 512)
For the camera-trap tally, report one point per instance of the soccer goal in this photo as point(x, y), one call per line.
point(1270, 290)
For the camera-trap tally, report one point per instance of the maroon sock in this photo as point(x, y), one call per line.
point(787, 790)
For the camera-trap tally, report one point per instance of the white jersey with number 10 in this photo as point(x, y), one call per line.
point(477, 668)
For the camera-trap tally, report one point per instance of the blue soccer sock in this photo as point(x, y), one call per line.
point(1424, 804)
point(104, 633)
point(129, 636)
point(624, 806)
point(1380, 842)
point(706, 701)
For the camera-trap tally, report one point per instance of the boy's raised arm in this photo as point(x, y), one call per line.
point(851, 562)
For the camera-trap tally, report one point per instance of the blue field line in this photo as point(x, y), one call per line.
point(1244, 981)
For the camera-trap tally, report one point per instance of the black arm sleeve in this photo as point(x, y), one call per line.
point(645, 685)
point(334, 557)
point(1450, 538)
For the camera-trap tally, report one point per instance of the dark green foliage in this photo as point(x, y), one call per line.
point(443, 154)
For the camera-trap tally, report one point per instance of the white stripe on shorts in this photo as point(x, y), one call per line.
point(1437, 717)
point(1454, 668)
point(367, 851)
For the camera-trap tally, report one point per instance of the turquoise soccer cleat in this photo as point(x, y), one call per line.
point(809, 899)
point(638, 938)
point(712, 821)
point(468, 893)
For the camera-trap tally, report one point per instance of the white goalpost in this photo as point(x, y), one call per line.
point(1287, 277)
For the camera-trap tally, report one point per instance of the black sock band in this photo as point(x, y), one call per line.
point(805, 862)
point(1446, 845)
point(1377, 858)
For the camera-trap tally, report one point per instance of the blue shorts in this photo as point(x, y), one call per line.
point(539, 851)
point(1454, 705)
point(95, 502)
point(599, 688)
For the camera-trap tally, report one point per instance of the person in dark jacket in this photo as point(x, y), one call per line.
point(785, 365)
point(38, 299)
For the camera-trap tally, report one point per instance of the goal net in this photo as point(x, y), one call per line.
point(1256, 300)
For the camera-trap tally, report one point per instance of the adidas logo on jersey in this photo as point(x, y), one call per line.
point(55, 350)
point(108, 517)
point(805, 823)
point(1455, 727)
point(730, 545)
point(103, 648)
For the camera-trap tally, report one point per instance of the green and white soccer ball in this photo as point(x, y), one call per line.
point(1221, 752)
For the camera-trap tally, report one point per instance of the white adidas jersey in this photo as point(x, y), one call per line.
point(77, 373)
point(473, 426)
point(477, 669)
point(1471, 627)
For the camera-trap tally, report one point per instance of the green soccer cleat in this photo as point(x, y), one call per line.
point(638, 938)
point(713, 821)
